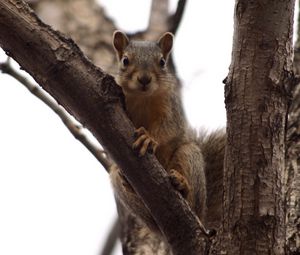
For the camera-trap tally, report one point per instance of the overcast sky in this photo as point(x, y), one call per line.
point(55, 197)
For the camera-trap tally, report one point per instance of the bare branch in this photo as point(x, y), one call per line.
point(175, 19)
point(94, 98)
point(74, 128)
point(112, 238)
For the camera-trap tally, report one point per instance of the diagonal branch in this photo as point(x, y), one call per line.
point(73, 127)
point(111, 239)
point(93, 97)
point(175, 19)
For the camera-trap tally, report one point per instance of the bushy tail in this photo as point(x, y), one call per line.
point(213, 149)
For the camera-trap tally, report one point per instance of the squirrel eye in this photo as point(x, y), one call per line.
point(162, 62)
point(125, 61)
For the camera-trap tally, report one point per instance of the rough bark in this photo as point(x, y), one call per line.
point(257, 94)
point(94, 99)
point(293, 163)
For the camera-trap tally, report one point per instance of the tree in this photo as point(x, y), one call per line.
point(72, 79)
point(257, 95)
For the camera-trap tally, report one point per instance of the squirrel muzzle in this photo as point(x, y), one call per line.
point(144, 81)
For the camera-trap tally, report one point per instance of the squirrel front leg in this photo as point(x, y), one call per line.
point(186, 171)
point(145, 142)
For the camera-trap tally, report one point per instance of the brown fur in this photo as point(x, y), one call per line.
point(147, 111)
point(155, 108)
point(213, 149)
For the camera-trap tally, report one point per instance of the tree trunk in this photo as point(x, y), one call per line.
point(257, 95)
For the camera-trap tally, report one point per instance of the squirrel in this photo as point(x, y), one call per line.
point(153, 103)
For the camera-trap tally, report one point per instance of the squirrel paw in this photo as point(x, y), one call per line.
point(144, 142)
point(179, 182)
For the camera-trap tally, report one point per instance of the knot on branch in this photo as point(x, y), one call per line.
point(227, 89)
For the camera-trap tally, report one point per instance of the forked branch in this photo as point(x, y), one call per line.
point(93, 97)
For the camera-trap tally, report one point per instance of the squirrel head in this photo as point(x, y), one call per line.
point(143, 65)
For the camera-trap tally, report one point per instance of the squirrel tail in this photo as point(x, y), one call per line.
point(213, 150)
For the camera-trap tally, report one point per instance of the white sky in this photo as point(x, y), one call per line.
point(54, 196)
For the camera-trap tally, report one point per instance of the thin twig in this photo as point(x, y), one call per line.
point(175, 19)
point(76, 129)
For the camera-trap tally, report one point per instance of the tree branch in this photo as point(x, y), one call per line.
point(75, 129)
point(86, 22)
point(112, 238)
point(158, 20)
point(175, 19)
point(93, 97)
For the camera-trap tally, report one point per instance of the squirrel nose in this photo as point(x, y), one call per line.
point(144, 80)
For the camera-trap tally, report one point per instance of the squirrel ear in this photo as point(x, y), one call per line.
point(120, 42)
point(165, 42)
